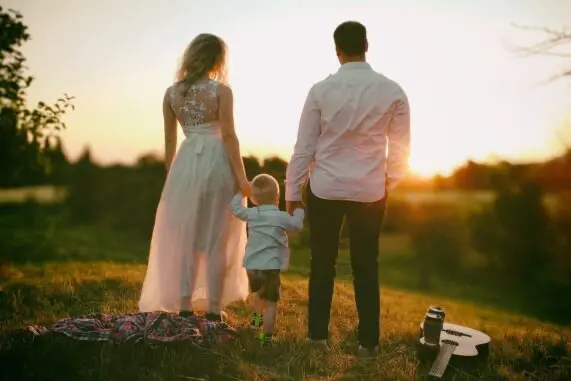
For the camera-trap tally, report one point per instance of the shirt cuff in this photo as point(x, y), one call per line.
point(299, 212)
point(292, 193)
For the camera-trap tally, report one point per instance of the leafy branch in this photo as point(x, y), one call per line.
point(24, 131)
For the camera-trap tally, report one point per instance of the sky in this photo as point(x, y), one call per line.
point(471, 97)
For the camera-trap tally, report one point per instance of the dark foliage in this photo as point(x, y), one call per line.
point(27, 154)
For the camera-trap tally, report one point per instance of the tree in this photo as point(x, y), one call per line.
point(277, 167)
point(555, 43)
point(472, 176)
point(252, 166)
point(57, 166)
point(82, 190)
point(24, 132)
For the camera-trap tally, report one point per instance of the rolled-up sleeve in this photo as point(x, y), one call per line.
point(304, 150)
point(399, 143)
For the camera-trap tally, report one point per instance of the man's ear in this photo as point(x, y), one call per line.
point(366, 45)
point(337, 51)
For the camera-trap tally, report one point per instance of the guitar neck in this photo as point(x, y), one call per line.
point(441, 363)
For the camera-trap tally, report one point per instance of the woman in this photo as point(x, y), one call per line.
point(195, 261)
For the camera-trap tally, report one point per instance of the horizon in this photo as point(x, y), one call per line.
point(468, 76)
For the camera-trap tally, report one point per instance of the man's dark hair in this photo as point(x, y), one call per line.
point(351, 38)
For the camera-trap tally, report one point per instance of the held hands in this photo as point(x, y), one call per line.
point(246, 189)
point(293, 205)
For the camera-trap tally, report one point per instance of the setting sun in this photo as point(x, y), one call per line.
point(470, 97)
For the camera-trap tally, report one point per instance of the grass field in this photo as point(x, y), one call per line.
point(94, 270)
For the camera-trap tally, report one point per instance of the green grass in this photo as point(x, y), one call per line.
point(93, 269)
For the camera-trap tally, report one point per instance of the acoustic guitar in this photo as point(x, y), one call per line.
point(462, 346)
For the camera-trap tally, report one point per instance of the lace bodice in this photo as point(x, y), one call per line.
point(198, 105)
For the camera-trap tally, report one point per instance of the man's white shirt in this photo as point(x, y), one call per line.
point(348, 122)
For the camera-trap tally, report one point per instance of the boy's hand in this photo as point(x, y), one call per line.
point(293, 205)
point(246, 189)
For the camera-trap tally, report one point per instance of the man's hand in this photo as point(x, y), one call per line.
point(293, 205)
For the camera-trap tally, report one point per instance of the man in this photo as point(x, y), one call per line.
point(343, 132)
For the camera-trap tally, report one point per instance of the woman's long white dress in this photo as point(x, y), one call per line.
point(197, 245)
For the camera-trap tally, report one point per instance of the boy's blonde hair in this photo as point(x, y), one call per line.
point(265, 189)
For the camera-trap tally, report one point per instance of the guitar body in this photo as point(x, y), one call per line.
point(460, 346)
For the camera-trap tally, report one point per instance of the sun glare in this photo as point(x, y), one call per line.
point(473, 103)
point(424, 166)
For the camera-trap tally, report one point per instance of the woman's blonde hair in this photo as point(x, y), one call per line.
point(205, 56)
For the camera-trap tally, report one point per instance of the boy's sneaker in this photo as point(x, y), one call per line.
point(367, 353)
point(266, 338)
point(257, 321)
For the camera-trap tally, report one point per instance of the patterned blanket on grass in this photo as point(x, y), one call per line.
point(148, 327)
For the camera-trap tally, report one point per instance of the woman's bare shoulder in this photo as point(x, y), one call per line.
point(170, 92)
point(224, 90)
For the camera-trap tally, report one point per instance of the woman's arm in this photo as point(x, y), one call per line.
point(226, 110)
point(170, 129)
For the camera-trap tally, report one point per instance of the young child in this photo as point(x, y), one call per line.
point(267, 252)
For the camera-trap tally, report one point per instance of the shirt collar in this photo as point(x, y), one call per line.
point(355, 66)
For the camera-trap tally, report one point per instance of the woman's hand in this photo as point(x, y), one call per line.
point(245, 188)
point(168, 166)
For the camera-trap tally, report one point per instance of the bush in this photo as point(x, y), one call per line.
point(27, 232)
point(82, 201)
point(131, 196)
point(397, 217)
point(440, 240)
point(488, 238)
point(127, 197)
point(123, 197)
point(515, 234)
point(561, 263)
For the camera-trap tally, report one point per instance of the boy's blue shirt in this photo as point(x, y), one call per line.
point(267, 247)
